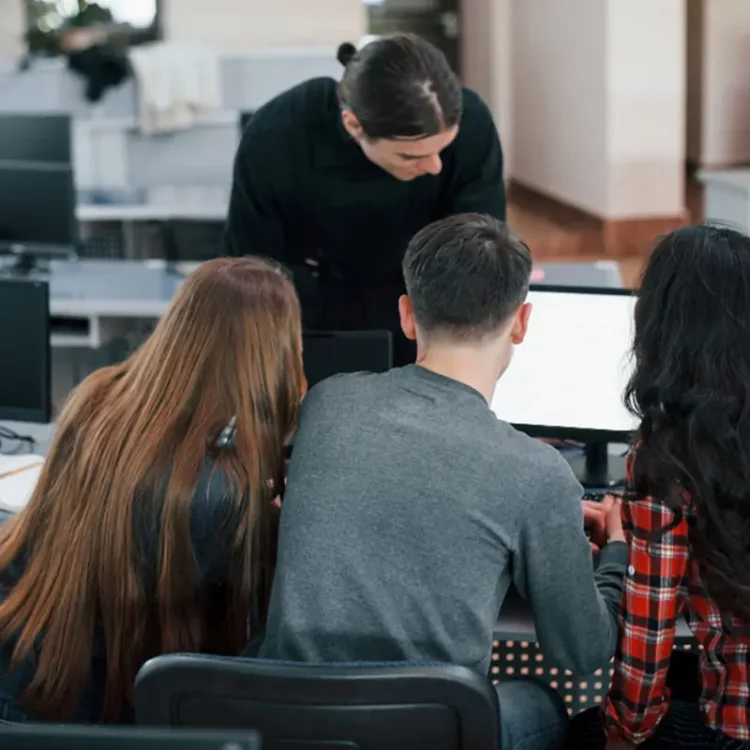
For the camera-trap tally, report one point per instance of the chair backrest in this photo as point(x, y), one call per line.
point(315, 707)
point(44, 737)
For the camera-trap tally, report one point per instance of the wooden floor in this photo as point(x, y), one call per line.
point(560, 234)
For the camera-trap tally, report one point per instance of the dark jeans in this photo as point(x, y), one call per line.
point(532, 716)
point(331, 304)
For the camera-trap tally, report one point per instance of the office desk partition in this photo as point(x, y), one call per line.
point(93, 301)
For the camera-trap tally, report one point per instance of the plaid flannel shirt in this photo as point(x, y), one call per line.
point(663, 582)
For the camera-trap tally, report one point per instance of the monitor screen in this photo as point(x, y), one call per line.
point(24, 350)
point(36, 138)
point(37, 206)
point(569, 375)
point(332, 353)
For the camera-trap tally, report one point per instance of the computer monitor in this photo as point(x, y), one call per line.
point(568, 377)
point(329, 353)
point(44, 139)
point(24, 351)
point(72, 737)
point(37, 209)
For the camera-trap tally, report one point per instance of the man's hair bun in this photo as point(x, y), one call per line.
point(345, 53)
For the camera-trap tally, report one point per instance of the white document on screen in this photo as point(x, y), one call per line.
point(572, 369)
point(18, 477)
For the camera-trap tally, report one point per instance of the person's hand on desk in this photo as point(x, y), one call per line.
point(603, 522)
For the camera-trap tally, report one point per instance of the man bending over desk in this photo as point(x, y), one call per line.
point(410, 508)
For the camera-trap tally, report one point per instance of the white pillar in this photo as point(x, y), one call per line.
point(486, 62)
point(12, 30)
point(719, 82)
point(599, 105)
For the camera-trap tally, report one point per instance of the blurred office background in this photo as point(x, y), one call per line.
point(619, 120)
point(602, 105)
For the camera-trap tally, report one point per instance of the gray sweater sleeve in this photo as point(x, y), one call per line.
point(574, 607)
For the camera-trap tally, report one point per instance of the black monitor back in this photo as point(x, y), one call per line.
point(36, 138)
point(327, 353)
point(37, 206)
point(24, 351)
point(41, 737)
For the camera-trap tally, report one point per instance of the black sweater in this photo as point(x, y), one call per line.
point(304, 189)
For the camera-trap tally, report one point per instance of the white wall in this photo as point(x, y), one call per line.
point(695, 27)
point(723, 137)
point(599, 103)
point(242, 24)
point(559, 103)
point(486, 62)
point(646, 108)
point(12, 27)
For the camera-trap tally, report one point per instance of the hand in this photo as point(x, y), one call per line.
point(595, 523)
point(613, 509)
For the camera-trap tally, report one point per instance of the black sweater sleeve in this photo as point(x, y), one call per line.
point(479, 185)
point(255, 225)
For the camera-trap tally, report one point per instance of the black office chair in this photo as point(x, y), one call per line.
point(45, 737)
point(314, 707)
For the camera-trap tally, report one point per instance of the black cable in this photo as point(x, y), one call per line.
point(8, 435)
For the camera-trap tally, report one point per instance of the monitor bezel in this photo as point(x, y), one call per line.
point(381, 335)
point(577, 434)
point(44, 414)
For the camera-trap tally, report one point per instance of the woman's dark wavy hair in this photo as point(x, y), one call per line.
point(691, 391)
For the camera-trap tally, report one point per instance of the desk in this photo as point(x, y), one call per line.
point(206, 203)
point(515, 653)
point(91, 301)
point(165, 203)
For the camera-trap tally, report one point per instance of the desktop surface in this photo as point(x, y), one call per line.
point(568, 377)
point(25, 350)
point(603, 274)
point(108, 280)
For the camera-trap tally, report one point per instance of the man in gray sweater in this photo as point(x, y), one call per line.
point(411, 508)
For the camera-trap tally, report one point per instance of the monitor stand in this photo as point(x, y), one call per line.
point(596, 468)
point(28, 261)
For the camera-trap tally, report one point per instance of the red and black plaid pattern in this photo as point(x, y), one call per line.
point(663, 582)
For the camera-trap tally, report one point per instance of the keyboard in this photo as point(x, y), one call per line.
point(597, 497)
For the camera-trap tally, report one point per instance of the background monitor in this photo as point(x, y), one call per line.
point(568, 377)
point(332, 353)
point(37, 206)
point(24, 351)
point(44, 139)
point(71, 737)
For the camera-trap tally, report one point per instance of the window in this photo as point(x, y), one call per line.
point(129, 21)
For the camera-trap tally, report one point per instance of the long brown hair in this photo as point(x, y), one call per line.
point(229, 348)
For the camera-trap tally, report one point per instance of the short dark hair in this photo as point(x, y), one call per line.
point(400, 86)
point(466, 275)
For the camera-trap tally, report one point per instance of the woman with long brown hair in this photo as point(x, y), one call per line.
point(152, 528)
